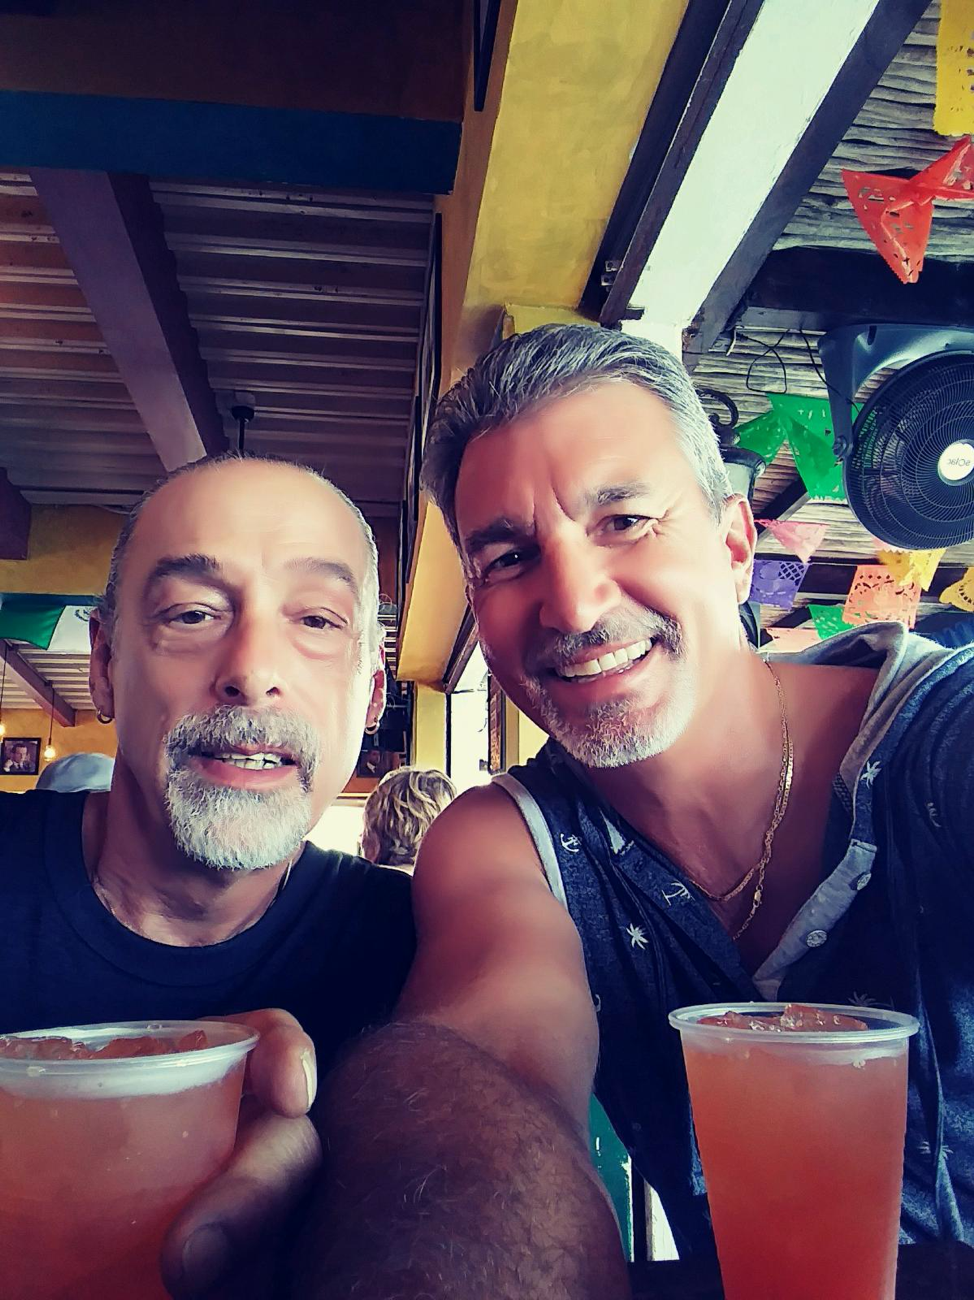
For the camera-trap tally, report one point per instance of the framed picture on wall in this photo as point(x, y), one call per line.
point(19, 755)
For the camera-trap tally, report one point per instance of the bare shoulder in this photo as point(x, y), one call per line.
point(480, 837)
point(499, 960)
point(824, 689)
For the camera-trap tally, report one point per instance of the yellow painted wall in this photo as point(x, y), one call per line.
point(68, 553)
point(524, 316)
point(538, 176)
point(579, 78)
point(429, 728)
point(464, 338)
point(435, 602)
point(522, 738)
point(86, 737)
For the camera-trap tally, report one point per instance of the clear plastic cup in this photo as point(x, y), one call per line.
point(97, 1156)
point(801, 1137)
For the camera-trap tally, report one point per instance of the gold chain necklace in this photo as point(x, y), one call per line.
point(777, 815)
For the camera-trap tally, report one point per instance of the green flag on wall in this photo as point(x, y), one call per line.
point(48, 622)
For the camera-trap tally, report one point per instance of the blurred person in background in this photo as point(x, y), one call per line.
point(77, 772)
point(399, 812)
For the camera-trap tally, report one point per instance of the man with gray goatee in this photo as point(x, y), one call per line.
point(237, 648)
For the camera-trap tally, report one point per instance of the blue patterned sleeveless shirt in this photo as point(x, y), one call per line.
point(890, 925)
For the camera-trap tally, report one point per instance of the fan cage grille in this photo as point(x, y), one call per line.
point(892, 477)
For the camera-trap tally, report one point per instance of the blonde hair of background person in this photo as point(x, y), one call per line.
point(399, 812)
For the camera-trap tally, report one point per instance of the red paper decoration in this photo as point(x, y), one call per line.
point(896, 213)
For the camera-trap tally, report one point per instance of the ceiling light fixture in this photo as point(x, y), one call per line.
point(243, 410)
point(49, 750)
point(742, 466)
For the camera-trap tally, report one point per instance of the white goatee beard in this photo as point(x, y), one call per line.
point(230, 829)
point(613, 734)
point(235, 830)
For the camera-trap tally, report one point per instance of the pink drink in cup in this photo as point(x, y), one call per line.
point(105, 1133)
point(800, 1115)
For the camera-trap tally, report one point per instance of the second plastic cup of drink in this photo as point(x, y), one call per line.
point(801, 1139)
point(99, 1154)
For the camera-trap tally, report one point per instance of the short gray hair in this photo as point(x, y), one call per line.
point(107, 605)
point(553, 361)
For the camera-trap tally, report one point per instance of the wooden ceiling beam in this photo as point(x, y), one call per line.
point(463, 648)
point(794, 618)
point(823, 288)
point(830, 580)
point(225, 244)
point(111, 231)
point(787, 503)
point(291, 291)
point(44, 442)
point(86, 481)
point(707, 44)
point(14, 521)
point(40, 690)
point(121, 499)
point(882, 36)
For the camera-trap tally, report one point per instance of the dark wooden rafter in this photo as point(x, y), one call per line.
point(794, 618)
point(14, 521)
point(830, 580)
point(463, 648)
point(170, 137)
point(883, 35)
point(707, 44)
point(41, 691)
point(822, 289)
point(787, 503)
point(112, 234)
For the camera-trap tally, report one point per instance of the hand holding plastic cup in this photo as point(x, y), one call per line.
point(105, 1133)
point(800, 1116)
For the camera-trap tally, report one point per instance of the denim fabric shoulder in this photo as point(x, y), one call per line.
point(904, 941)
point(929, 882)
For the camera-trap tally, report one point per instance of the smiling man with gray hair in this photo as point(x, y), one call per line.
point(237, 650)
point(704, 825)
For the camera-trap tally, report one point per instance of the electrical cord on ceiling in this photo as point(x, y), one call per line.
point(829, 388)
point(773, 349)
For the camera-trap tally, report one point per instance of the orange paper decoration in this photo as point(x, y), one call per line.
point(876, 597)
point(896, 213)
point(792, 640)
point(961, 593)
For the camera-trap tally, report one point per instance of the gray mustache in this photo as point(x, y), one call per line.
point(557, 651)
point(230, 725)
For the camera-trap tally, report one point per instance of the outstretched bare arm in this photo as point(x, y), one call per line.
point(455, 1139)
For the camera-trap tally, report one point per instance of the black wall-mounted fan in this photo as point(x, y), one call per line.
point(909, 457)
